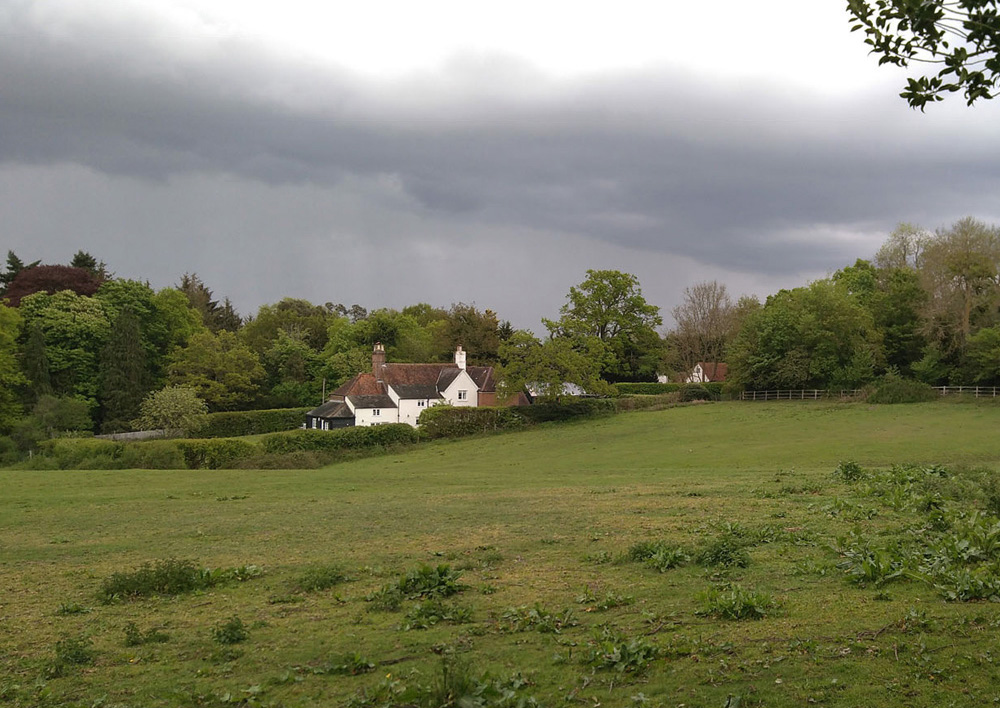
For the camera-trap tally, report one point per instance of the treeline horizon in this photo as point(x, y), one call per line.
point(80, 348)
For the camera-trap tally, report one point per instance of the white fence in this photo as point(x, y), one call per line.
point(818, 394)
point(802, 394)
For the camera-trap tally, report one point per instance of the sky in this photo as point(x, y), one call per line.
point(390, 153)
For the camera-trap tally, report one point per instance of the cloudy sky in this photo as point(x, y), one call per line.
point(388, 153)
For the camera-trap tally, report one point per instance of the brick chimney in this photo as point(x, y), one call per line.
point(378, 361)
point(460, 357)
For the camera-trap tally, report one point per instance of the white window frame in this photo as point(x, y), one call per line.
point(376, 411)
point(463, 394)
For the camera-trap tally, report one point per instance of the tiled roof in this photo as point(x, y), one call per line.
point(416, 391)
point(714, 370)
point(331, 409)
point(360, 385)
point(414, 374)
point(483, 376)
point(372, 401)
point(446, 377)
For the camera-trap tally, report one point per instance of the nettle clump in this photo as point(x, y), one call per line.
point(736, 603)
point(423, 582)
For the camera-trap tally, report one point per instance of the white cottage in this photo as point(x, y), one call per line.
point(399, 393)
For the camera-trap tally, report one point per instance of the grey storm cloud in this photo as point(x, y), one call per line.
point(736, 177)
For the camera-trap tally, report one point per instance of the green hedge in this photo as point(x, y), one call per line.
point(894, 389)
point(568, 409)
point(235, 424)
point(355, 438)
point(652, 389)
point(215, 453)
point(451, 422)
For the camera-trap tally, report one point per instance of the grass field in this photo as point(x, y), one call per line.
point(540, 525)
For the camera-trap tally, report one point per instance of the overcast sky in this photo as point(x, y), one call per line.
point(389, 153)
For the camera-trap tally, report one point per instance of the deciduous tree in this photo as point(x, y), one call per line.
point(223, 371)
point(959, 41)
point(171, 408)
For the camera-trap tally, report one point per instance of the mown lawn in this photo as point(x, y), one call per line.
point(539, 524)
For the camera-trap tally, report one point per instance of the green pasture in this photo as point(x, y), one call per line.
point(539, 523)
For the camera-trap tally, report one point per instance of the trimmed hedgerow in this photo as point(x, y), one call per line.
point(452, 422)
point(568, 409)
point(355, 438)
point(234, 424)
point(215, 453)
point(651, 389)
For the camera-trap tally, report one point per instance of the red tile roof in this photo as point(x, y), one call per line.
point(714, 370)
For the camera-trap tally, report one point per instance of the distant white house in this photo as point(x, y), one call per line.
point(399, 393)
point(707, 372)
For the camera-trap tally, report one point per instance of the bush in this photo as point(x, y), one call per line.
point(83, 453)
point(152, 455)
point(453, 422)
point(355, 438)
point(568, 409)
point(638, 403)
point(697, 392)
point(895, 389)
point(234, 424)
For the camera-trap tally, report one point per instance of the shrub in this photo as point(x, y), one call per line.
point(736, 603)
point(895, 389)
point(152, 455)
point(234, 424)
point(849, 471)
point(232, 631)
point(453, 422)
point(697, 392)
point(638, 403)
point(171, 408)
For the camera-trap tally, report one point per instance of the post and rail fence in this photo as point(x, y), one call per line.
point(818, 394)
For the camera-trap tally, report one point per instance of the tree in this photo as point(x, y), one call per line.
point(171, 408)
point(35, 364)
point(14, 266)
point(476, 332)
point(294, 375)
point(961, 40)
point(299, 319)
point(124, 377)
point(216, 317)
point(546, 366)
point(813, 337)
point(62, 414)
point(51, 279)
point(223, 371)
point(10, 372)
point(705, 325)
point(608, 305)
point(960, 272)
point(75, 329)
point(904, 248)
point(99, 269)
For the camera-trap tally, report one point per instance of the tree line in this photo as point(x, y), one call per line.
point(81, 349)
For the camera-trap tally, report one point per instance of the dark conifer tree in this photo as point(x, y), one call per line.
point(35, 363)
point(124, 379)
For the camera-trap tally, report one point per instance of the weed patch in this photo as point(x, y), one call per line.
point(623, 655)
point(232, 631)
point(71, 652)
point(736, 603)
point(434, 610)
point(535, 619)
point(320, 577)
point(134, 637)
